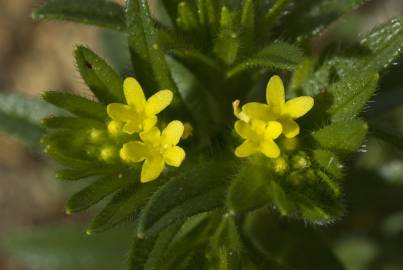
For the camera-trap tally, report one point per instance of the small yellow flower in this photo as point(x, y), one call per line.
point(259, 137)
point(156, 148)
point(139, 114)
point(276, 109)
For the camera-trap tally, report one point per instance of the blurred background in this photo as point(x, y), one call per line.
point(35, 233)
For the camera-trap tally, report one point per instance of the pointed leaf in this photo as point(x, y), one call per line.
point(103, 81)
point(350, 96)
point(67, 122)
point(198, 190)
point(342, 137)
point(122, 206)
point(279, 55)
point(97, 191)
point(148, 58)
point(385, 43)
point(77, 105)
point(102, 13)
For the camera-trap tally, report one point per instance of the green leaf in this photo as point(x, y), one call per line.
point(248, 23)
point(342, 137)
point(96, 191)
point(76, 105)
point(394, 138)
point(64, 159)
point(385, 43)
point(21, 117)
point(227, 43)
point(350, 96)
point(156, 256)
point(290, 244)
point(187, 18)
point(198, 190)
point(148, 58)
point(253, 188)
point(67, 122)
point(93, 169)
point(64, 246)
point(208, 11)
point(102, 13)
point(307, 194)
point(103, 81)
point(329, 162)
point(123, 205)
point(279, 55)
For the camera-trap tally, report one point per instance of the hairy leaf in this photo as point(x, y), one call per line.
point(148, 58)
point(350, 96)
point(279, 55)
point(122, 206)
point(77, 105)
point(103, 81)
point(97, 191)
point(68, 122)
point(102, 13)
point(342, 137)
point(198, 190)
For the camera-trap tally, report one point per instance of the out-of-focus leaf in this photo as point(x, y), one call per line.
point(385, 43)
point(102, 13)
point(77, 105)
point(198, 190)
point(103, 81)
point(21, 117)
point(279, 55)
point(275, 238)
point(66, 247)
point(342, 137)
point(394, 138)
point(68, 122)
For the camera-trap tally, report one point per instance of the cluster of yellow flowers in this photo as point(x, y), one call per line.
point(259, 124)
point(139, 115)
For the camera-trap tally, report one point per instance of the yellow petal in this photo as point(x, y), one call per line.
point(132, 126)
point(120, 112)
point(244, 130)
point(158, 102)
point(275, 94)
point(273, 130)
point(258, 126)
point(290, 128)
point(152, 168)
point(258, 111)
point(172, 133)
point(134, 151)
point(247, 148)
point(174, 156)
point(149, 122)
point(299, 106)
point(152, 136)
point(134, 93)
point(270, 149)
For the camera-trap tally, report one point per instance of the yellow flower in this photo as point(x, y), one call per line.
point(277, 108)
point(139, 114)
point(156, 148)
point(259, 137)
